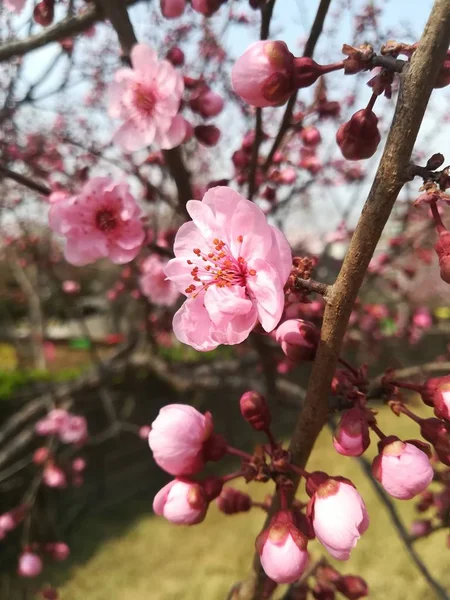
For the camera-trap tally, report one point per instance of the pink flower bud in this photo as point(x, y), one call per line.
point(282, 549)
point(206, 7)
point(54, 477)
point(176, 56)
point(206, 103)
point(40, 456)
point(177, 438)
point(78, 465)
point(208, 135)
point(322, 591)
point(421, 527)
point(263, 75)
point(352, 587)
point(74, 431)
point(338, 515)
point(255, 410)
point(232, 501)
point(49, 593)
point(359, 137)
point(144, 432)
point(58, 551)
point(10, 519)
point(442, 249)
point(30, 565)
point(44, 12)
point(310, 136)
point(70, 287)
point(402, 469)
point(171, 9)
point(181, 502)
point(298, 339)
point(351, 437)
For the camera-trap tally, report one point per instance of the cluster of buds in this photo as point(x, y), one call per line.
point(183, 440)
point(30, 562)
point(69, 428)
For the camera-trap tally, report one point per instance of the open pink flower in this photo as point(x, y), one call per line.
point(232, 265)
point(147, 98)
point(181, 502)
point(103, 220)
point(177, 437)
point(339, 516)
point(154, 283)
point(15, 5)
point(402, 469)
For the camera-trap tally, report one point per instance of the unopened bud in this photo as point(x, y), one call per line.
point(232, 501)
point(176, 56)
point(442, 249)
point(298, 339)
point(44, 12)
point(352, 587)
point(359, 138)
point(208, 135)
point(255, 410)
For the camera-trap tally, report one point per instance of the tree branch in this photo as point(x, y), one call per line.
point(417, 82)
point(26, 181)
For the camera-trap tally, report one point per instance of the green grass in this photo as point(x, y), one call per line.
point(145, 558)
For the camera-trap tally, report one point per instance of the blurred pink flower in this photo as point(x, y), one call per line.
point(30, 565)
point(154, 283)
point(177, 437)
point(147, 97)
point(232, 265)
point(54, 477)
point(103, 220)
point(70, 287)
point(15, 5)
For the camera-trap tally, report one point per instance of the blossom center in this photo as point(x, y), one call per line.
point(218, 267)
point(106, 220)
point(144, 100)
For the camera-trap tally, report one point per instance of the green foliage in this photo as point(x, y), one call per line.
point(12, 382)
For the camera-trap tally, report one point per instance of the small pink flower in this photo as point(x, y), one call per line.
point(232, 265)
point(103, 220)
point(181, 502)
point(54, 477)
point(264, 74)
point(171, 9)
point(154, 283)
point(351, 437)
point(402, 469)
point(15, 5)
point(338, 515)
point(282, 549)
point(74, 431)
point(30, 565)
point(70, 287)
point(298, 339)
point(78, 465)
point(7, 522)
point(55, 420)
point(147, 98)
point(177, 437)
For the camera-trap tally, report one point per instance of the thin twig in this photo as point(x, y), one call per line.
point(26, 181)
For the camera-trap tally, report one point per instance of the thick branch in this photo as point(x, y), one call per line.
point(117, 13)
point(26, 181)
point(417, 83)
point(175, 163)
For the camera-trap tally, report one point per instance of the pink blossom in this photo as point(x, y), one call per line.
point(78, 465)
point(54, 477)
point(103, 220)
point(55, 420)
point(181, 502)
point(264, 74)
point(339, 516)
point(351, 437)
point(70, 287)
point(232, 265)
point(171, 9)
point(58, 551)
point(206, 103)
point(282, 549)
point(298, 339)
point(74, 431)
point(177, 437)
point(30, 565)
point(154, 283)
point(15, 5)
point(402, 469)
point(147, 98)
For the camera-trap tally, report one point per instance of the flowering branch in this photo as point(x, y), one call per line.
point(417, 81)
